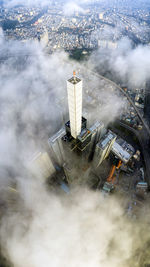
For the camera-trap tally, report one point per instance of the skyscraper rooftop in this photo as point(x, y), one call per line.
point(74, 80)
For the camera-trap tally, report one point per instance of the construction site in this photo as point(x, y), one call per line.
point(82, 157)
point(94, 156)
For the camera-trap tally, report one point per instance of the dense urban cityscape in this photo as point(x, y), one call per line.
point(65, 27)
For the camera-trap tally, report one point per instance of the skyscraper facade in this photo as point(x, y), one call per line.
point(74, 89)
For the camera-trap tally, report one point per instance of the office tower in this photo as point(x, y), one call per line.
point(97, 131)
point(56, 147)
point(103, 148)
point(41, 165)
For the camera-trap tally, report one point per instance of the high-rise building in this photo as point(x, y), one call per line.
point(41, 165)
point(74, 88)
point(56, 147)
point(103, 148)
point(77, 135)
point(97, 131)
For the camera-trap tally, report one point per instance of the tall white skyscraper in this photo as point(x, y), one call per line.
point(74, 88)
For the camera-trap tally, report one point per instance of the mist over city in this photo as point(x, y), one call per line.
point(75, 133)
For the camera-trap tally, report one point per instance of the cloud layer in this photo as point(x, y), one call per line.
point(40, 228)
point(129, 65)
point(81, 229)
point(109, 3)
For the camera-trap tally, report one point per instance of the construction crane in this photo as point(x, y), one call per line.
point(110, 177)
point(109, 184)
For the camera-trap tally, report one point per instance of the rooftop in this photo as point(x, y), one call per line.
point(107, 138)
point(83, 135)
point(74, 80)
point(96, 125)
point(56, 136)
point(122, 150)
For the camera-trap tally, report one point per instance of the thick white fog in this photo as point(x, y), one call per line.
point(130, 65)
